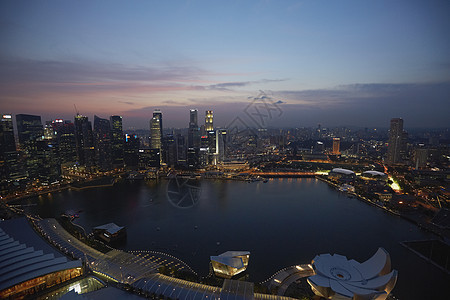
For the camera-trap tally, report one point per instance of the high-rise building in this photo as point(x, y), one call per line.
point(193, 140)
point(193, 131)
point(10, 168)
point(193, 118)
point(49, 130)
point(102, 143)
point(131, 151)
point(397, 142)
point(66, 142)
point(170, 150)
point(30, 131)
point(336, 145)
point(209, 126)
point(85, 141)
point(181, 150)
point(216, 146)
point(156, 130)
point(117, 142)
point(203, 152)
point(50, 165)
point(420, 157)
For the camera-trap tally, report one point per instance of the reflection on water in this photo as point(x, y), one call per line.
point(282, 222)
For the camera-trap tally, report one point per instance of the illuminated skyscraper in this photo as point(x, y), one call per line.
point(193, 118)
point(193, 131)
point(102, 142)
point(193, 140)
point(30, 131)
point(155, 137)
point(336, 145)
point(84, 141)
point(131, 151)
point(117, 142)
point(156, 130)
point(9, 164)
point(397, 142)
point(66, 142)
point(209, 126)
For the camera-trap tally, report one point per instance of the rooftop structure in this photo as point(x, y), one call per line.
point(109, 232)
point(336, 277)
point(230, 263)
point(342, 174)
point(374, 175)
point(27, 263)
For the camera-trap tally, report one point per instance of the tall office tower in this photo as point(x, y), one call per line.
point(10, 168)
point(50, 164)
point(193, 131)
point(211, 147)
point(49, 130)
point(193, 118)
point(420, 157)
point(193, 140)
point(131, 151)
point(223, 144)
point(102, 143)
point(170, 150)
point(181, 150)
point(30, 131)
point(84, 141)
point(336, 145)
point(209, 126)
point(397, 142)
point(203, 152)
point(216, 146)
point(66, 142)
point(156, 130)
point(117, 142)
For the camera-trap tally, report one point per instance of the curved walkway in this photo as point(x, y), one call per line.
point(282, 279)
point(140, 271)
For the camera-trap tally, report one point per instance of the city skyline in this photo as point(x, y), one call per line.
point(338, 64)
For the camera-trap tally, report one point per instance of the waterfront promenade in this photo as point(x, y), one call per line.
point(140, 270)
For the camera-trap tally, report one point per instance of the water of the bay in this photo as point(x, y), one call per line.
point(282, 222)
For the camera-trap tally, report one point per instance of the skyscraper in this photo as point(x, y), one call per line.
point(131, 151)
point(9, 160)
point(397, 142)
point(84, 141)
point(155, 138)
point(117, 141)
point(193, 140)
point(193, 131)
point(30, 131)
point(209, 126)
point(66, 142)
point(102, 143)
point(156, 130)
point(336, 145)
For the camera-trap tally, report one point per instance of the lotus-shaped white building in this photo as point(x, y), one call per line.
point(339, 278)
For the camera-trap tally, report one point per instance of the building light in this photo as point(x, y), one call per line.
point(7, 117)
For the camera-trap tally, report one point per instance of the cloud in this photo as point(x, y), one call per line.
point(226, 86)
point(13, 70)
point(420, 104)
point(126, 102)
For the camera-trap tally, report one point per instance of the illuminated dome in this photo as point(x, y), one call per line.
point(339, 278)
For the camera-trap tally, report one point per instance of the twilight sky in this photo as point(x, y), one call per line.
point(349, 63)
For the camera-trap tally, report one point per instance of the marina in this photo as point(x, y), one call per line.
point(298, 216)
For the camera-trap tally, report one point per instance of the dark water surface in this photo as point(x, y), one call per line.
point(282, 222)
